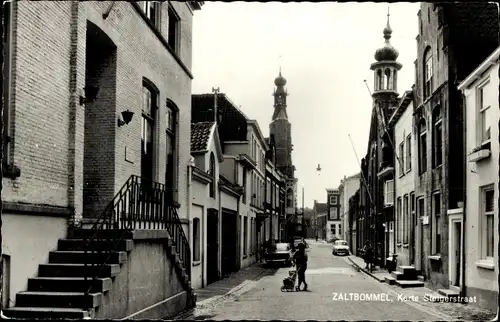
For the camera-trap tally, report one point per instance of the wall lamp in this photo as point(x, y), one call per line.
point(90, 94)
point(127, 117)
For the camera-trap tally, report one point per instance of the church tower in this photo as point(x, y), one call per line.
point(281, 128)
point(385, 94)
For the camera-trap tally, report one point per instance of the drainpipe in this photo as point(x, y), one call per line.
point(219, 237)
point(464, 199)
point(190, 232)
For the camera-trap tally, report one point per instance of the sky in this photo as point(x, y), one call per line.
point(325, 51)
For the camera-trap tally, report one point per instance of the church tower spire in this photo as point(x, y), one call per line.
point(280, 95)
point(386, 68)
point(281, 128)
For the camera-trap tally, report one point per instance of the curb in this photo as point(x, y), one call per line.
point(367, 272)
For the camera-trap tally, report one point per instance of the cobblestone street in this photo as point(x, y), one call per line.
point(328, 276)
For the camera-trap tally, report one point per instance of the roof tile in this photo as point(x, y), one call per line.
point(200, 135)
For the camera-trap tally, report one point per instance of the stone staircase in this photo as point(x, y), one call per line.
point(450, 294)
point(405, 276)
point(59, 290)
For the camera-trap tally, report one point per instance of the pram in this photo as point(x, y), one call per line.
point(289, 282)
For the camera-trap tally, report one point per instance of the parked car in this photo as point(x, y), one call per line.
point(279, 253)
point(340, 247)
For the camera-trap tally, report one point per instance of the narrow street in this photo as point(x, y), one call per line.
point(326, 274)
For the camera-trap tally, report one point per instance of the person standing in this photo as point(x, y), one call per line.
point(300, 259)
point(368, 253)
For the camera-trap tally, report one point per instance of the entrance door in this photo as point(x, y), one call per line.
point(230, 243)
point(212, 246)
point(413, 223)
point(458, 251)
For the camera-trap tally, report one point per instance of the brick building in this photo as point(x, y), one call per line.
point(447, 31)
point(334, 220)
point(82, 115)
point(377, 195)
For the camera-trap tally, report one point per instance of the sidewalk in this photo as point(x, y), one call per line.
point(378, 274)
point(229, 284)
point(215, 293)
point(456, 311)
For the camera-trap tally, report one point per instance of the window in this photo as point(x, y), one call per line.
point(485, 117)
point(405, 219)
point(7, 58)
point(245, 235)
point(400, 221)
point(422, 146)
point(149, 106)
point(421, 207)
point(401, 158)
point(171, 176)
point(268, 191)
point(213, 174)
point(152, 9)
point(244, 184)
point(428, 73)
point(408, 153)
point(340, 228)
point(333, 200)
point(488, 228)
point(251, 236)
point(196, 239)
point(436, 224)
point(389, 193)
point(334, 213)
point(173, 29)
point(411, 221)
point(437, 145)
point(333, 229)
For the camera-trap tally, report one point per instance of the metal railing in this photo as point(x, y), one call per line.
point(139, 204)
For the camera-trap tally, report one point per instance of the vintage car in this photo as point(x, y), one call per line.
point(340, 247)
point(280, 253)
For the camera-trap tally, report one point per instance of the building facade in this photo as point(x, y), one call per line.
point(205, 171)
point(401, 230)
point(348, 187)
point(445, 33)
point(79, 129)
point(478, 253)
point(320, 215)
point(334, 221)
point(354, 212)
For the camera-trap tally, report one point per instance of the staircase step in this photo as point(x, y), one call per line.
point(78, 256)
point(449, 293)
point(407, 270)
point(78, 270)
point(45, 313)
point(106, 245)
point(104, 233)
point(411, 283)
point(58, 299)
point(390, 280)
point(68, 284)
point(399, 276)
